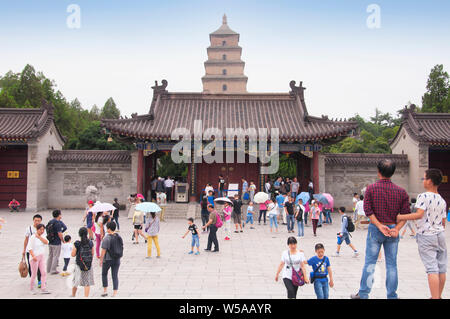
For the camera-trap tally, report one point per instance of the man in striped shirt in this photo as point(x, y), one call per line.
point(383, 201)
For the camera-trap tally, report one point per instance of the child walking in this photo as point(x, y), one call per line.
point(273, 214)
point(321, 270)
point(66, 252)
point(195, 236)
point(343, 235)
point(250, 215)
point(431, 215)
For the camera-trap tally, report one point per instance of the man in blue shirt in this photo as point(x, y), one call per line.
point(343, 235)
point(281, 198)
point(244, 188)
point(55, 230)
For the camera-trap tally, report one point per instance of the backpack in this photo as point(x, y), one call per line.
point(300, 214)
point(116, 247)
point(84, 256)
point(219, 221)
point(50, 229)
point(350, 225)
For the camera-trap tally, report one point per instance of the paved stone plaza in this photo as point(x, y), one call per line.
point(244, 268)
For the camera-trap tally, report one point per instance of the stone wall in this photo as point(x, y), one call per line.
point(67, 183)
point(346, 174)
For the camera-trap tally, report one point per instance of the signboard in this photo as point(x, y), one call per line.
point(13, 174)
point(232, 190)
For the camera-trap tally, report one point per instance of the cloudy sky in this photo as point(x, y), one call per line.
point(122, 47)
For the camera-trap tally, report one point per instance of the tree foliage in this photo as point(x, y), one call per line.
point(166, 167)
point(437, 96)
point(28, 88)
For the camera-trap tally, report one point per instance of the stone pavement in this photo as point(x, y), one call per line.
point(244, 268)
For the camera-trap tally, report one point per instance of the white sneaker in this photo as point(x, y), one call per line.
point(33, 292)
point(45, 292)
point(336, 254)
point(355, 254)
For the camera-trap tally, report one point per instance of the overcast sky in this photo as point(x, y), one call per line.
point(122, 47)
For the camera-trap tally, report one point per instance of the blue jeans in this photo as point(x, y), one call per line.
point(301, 229)
point(220, 193)
point(321, 288)
point(290, 222)
point(273, 221)
point(294, 194)
point(249, 219)
point(320, 218)
point(328, 216)
point(195, 241)
point(373, 245)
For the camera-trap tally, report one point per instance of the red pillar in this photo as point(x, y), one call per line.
point(315, 163)
point(140, 171)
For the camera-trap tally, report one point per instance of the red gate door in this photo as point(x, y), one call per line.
point(441, 159)
point(13, 174)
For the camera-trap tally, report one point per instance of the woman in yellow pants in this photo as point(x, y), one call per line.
point(152, 230)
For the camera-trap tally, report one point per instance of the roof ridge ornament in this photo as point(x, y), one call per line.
point(297, 90)
point(158, 89)
point(224, 19)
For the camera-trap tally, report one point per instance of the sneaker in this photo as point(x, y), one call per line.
point(39, 284)
point(355, 296)
point(148, 257)
point(242, 231)
point(336, 254)
point(355, 254)
point(197, 253)
point(158, 256)
point(45, 292)
point(190, 253)
point(33, 292)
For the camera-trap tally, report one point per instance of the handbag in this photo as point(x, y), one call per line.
point(23, 268)
point(298, 278)
point(311, 275)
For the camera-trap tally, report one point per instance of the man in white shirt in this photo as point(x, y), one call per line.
point(359, 211)
point(168, 184)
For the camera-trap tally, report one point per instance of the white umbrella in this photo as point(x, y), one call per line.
point(102, 207)
point(261, 197)
point(222, 200)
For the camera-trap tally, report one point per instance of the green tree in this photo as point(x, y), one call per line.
point(437, 97)
point(110, 110)
point(166, 167)
point(94, 138)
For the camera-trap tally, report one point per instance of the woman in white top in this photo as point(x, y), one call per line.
point(291, 258)
point(273, 213)
point(36, 248)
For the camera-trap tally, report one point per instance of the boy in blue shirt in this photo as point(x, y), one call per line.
point(343, 235)
point(321, 270)
point(281, 198)
point(211, 198)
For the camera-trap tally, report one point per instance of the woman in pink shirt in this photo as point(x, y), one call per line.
point(315, 213)
point(263, 211)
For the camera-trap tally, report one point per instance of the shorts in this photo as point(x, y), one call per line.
point(237, 218)
point(195, 241)
point(138, 227)
point(345, 237)
point(433, 252)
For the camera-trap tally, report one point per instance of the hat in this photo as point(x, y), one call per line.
point(90, 202)
point(140, 196)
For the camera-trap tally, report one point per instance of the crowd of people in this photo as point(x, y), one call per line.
point(102, 225)
point(384, 206)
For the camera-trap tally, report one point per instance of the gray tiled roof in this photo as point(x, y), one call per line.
point(249, 110)
point(364, 159)
point(429, 128)
point(25, 123)
point(90, 156)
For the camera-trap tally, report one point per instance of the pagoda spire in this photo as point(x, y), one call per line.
point(224, 19)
